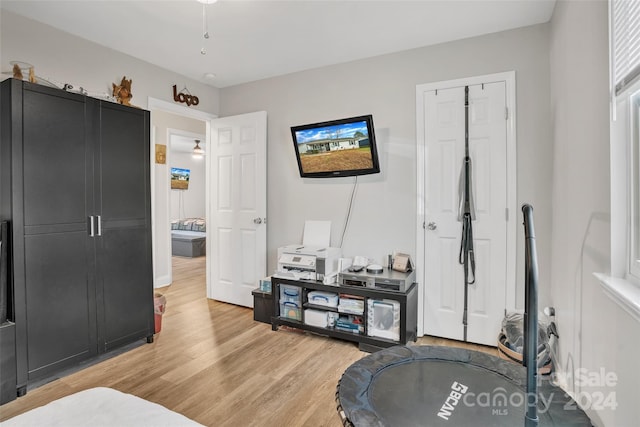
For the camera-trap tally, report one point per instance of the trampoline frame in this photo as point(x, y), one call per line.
point(359, 377)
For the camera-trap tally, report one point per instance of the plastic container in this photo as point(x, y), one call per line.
point(265, 284)
point(316, 318)
point(383, 319)
point(290, 311)
point(326, 299)
point(291, 294)
point(159, 306)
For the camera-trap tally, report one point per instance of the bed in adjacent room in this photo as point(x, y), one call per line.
point(188, 237)
point(100, 406)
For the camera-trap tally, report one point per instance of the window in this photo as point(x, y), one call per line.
point(622, 284)
point(625, 155)
point(633, 186)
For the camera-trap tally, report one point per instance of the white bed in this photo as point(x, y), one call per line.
point(100, 407)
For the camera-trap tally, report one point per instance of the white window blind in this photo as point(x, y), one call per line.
point(626, 42)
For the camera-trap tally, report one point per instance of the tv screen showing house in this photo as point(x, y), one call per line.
point(180, 178)
point(336, 148)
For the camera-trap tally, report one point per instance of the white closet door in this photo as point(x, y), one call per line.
point(444, 278)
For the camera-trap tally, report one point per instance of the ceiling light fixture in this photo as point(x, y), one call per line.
point(198, 151)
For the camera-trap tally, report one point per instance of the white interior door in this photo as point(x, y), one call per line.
point(444, 134)
point(236, 229)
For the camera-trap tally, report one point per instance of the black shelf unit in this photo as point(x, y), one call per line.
point(408, 312)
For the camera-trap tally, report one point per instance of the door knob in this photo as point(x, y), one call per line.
point(257, 220)
point(432, 226)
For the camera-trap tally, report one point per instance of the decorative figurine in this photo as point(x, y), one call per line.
point(17, 72)
point(122, 92)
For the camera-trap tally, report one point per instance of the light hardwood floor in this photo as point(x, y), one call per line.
point(214, 364)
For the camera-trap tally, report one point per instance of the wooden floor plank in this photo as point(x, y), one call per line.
point(213, 363)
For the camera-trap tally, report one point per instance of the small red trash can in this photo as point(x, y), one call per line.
point(159, 306)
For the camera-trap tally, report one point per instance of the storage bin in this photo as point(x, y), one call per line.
point(327, 299)
point(383, 319)
point(290, 311)
point(317, 318)
point(290, 293)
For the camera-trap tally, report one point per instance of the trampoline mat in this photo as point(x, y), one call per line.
point(444, 386)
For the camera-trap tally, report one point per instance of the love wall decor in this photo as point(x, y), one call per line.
point(184, 97)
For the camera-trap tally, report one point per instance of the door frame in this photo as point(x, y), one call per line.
point(154, 104)
point(509, 77)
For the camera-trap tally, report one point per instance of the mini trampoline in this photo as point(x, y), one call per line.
point(445, 386)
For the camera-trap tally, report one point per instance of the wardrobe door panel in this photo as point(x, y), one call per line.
point(127, 290)
point(54, 256)
point(60, 302)
point(124, 163)
point(125, 276)
point(54, 150)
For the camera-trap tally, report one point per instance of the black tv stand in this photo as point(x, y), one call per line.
point(408, 302)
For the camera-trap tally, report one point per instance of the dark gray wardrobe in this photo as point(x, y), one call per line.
point(74, 187)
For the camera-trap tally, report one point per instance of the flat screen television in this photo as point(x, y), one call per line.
point(180, 178)
point(336, 148)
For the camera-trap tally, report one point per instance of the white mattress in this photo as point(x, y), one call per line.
point(100, 407)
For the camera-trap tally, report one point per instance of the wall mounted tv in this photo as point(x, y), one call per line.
point(180, 178)
point(336, 148)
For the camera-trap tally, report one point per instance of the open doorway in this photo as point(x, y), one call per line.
point(174, 129)
point(187, 196)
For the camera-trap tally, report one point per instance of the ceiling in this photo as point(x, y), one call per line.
point(256, 39)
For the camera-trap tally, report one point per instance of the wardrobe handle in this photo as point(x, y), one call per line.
point(99, 225)
point(92, 231)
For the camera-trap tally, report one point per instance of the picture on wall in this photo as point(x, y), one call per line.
point(180, 178)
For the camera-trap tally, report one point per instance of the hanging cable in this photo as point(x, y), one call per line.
point(205, 29)
point(205, 25)
point(346, 221)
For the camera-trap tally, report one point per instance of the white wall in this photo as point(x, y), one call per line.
point(594, 332)
point(188, 203)
point(384, 214)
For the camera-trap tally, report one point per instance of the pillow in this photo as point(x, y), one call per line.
point(189, 224)
point(199, 225)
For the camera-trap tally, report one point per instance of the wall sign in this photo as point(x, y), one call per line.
point(161, 154)
point(185, 97)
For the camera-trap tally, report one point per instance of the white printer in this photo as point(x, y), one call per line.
point(303, 262)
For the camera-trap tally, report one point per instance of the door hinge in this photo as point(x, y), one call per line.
point(506, 214)
point(424, 225)
point(506, 113)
